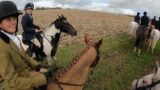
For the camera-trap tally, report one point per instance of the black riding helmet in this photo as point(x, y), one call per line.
point(29, 5)
point(8, 8)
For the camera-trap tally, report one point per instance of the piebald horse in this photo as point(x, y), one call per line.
point(51, 38)
point(73, 77)
point(148, 82)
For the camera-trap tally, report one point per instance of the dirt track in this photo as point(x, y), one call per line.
point(98, 24)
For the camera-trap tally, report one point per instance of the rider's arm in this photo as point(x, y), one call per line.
point(12, 78)
point(25, 25)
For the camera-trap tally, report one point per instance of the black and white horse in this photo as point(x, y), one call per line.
point(51, 38)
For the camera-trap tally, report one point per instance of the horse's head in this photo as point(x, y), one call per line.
point(96, 45)
point(156, 73)
point(142, 83)
point(64, 26)
point(149, 81)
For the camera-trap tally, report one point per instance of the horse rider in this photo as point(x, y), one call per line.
point(137, 18)
point(17, 70)
point(153, 21)
point(30, 30)
point(157, 26)
point(145, 20)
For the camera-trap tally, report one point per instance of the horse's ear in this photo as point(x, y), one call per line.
point(86, 38)
point(98, 44)
point(64, 18)
point(59, 17)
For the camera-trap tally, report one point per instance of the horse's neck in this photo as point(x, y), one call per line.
point(80, 68)
point(51, 31)
point(78, 73)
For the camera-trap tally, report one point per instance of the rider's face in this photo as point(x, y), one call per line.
point(9, 24)
point(29, 11)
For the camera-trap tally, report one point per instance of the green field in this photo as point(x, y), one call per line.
point(118, 66)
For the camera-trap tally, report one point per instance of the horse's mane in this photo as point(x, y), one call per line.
point(73, 62)
point(51, 23)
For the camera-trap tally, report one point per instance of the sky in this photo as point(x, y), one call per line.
point(127, 7)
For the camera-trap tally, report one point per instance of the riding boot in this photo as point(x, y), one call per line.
point(29, 50)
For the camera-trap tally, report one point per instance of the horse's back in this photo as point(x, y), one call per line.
point(155, 34)
point(133, 28)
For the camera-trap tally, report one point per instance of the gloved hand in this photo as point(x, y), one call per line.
point(48, 74)
point(38, 67)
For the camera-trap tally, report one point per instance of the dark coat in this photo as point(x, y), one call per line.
point(157, 26)
point(153, 22)
point(144, 20)
point(137, 19)
point(28, 28)
point(15, 67)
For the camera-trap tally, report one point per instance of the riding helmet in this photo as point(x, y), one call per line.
point(29, 5)
point(8, 8)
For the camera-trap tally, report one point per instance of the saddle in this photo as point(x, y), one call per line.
point(34, 48)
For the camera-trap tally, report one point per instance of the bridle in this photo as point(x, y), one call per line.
point(148, 87)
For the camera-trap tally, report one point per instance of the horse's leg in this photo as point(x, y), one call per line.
point(139, 52)
point(154, 42)
point(134, 51)
point(50, 61)
point(150, 42)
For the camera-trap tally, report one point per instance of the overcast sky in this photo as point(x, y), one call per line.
point(130, 7)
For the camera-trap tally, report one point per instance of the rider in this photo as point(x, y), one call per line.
point(17, 70)
point(153, 22)
point(137, 18)
point(30, 30)
point(145, 19)
point(157, 26)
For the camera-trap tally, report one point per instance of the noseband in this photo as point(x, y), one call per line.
point(148, 87)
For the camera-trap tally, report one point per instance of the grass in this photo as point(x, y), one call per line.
point(118, 66)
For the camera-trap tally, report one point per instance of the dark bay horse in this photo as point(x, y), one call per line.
point(141, 36)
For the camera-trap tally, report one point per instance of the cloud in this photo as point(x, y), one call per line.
point(116, 6)
point(150, 6)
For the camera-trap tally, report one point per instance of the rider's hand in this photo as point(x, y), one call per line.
point(48, 74)
point(43, 70)
point(39, 30)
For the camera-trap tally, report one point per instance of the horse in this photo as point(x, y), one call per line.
point(50, 39)
point(153, 38)
point(133, 28)
point(141, 37)
point(73, 77)
point(148, 82)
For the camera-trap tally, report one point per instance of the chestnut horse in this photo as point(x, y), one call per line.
point(74, 76)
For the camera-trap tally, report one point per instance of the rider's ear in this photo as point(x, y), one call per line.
point(99, 43)
point(86, 38)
